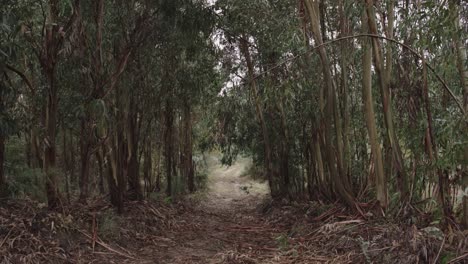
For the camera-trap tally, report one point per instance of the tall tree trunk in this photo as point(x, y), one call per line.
point(284, 132)
point(244, 47)
point(27, 149)
point(52, 42)
point(2, 145)
point(2, 164)
point(386, 99)
point(121, 151)
point(368, 103)
point(85, 153)
point(397, 156)
point(317, 151)
point(148, 168)
point(158, 168)
point(168, 146)
point(66, 161)
point(331, 111)
point(50, 138)
point(284, 149)
point(133, 145)
point(86, 141)
point(316, 142)
point(188, 166)
point(111, 156)
point(100, 161)
point(71, 151)
point(116, 153)
point(444, 183)
point(345, 49)
point(35, 149)
point(463, 72)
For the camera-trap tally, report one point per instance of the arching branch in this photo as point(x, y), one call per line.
point(413, 51)
point(22, 76)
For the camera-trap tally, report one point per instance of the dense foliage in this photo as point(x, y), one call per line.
point(356, 101)
point(350, 100)
point(101, 96)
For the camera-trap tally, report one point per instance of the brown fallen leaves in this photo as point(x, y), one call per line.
point(156, 232)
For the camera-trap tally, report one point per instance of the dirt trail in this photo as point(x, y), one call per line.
point(220, 225)
point(229, 187)
point(226, 221)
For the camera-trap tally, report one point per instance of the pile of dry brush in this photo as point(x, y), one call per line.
point(30, 233)
point(318, 233)
point(283, 233)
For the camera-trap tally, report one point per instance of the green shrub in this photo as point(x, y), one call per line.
point(27, 182)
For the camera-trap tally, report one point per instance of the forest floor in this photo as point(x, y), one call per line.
point(233, 221)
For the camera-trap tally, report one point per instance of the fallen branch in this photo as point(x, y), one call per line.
point(104, 245)
point(462, 257)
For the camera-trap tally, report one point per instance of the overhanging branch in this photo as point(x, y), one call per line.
point(413, 51)
point(22, 76)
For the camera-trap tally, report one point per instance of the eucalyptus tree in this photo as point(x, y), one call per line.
point(48, 36)
point(6, 89)
point(143, 85)
point(458, 34)
point(236, 23)
point(13, 80)
point(331, 110)
point(250, 40)
point(8, 124)
point(369, 113)
point(325, 130)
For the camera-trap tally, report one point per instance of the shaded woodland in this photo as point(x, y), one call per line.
point(113, 106)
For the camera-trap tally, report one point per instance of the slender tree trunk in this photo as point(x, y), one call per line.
point(133, 145)
point(27, 149)
point(2, 164)
point(85, 153)
point(122, 165)
point(116, 149)
point(397, 156)
point(52, 43)
point(316, 145)
point(463, 72)
point(188, 167)
point(310, 169)
point(2, 146)
point(368, 103)
point(121, 152)
point(158, 166)
point(284, 149)
point(168, 145)
point(319, 162)
point(335, 162)
point(86, 142)
point(284, 132)
point(50, 139)
point(244, 47)
point(112, 182)
point(444, 184)
point(100, 161)
point(386, 100)
point(148, 167)
point(345, 49)
point(71, 151)
point(66, 161)
point(36, 161)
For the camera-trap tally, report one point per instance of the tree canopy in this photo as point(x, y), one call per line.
point(361, 102)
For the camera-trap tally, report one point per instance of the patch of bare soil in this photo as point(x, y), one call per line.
point(234, 222)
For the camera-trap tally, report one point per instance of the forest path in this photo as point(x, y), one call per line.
point(230, 186)
point(225, 222)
